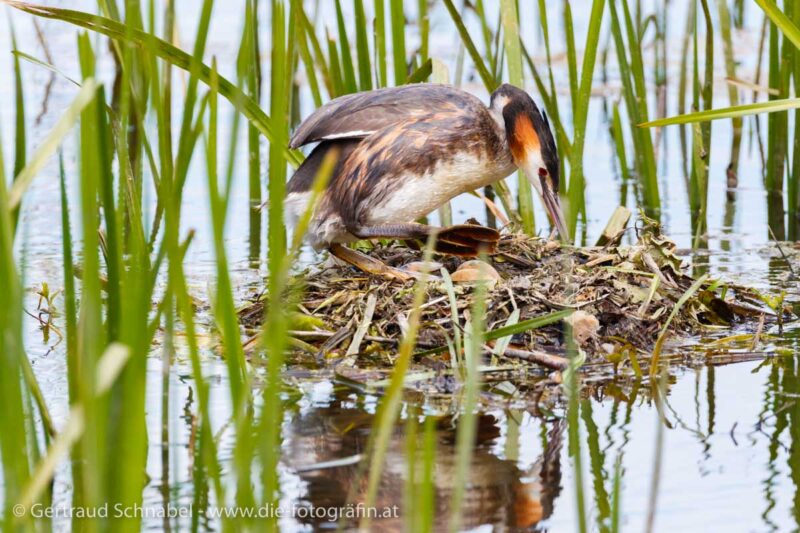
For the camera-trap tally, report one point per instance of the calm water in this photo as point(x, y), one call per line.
point(731, 452)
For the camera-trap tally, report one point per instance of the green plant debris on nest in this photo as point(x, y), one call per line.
point(618, 299)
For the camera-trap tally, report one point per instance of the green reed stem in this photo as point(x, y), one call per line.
point(511, 38)
point(20, 135)
point(397, 21)
point(576, 181)
point(467, 421)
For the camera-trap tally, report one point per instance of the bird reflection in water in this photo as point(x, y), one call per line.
point(499, 492)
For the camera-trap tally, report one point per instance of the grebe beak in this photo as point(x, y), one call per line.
point(543, 185)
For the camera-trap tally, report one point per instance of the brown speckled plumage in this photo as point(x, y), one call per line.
point(376, 167)
point(395, 132)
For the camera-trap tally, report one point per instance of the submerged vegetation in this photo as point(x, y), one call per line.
point(127, 303)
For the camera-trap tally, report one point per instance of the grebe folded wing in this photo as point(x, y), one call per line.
point(356, 116)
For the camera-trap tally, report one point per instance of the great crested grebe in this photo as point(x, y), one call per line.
point(404, 152)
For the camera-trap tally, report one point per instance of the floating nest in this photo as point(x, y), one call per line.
point(618, 303)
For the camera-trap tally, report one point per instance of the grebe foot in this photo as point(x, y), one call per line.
point(467, 236)
point(368, 264)
point(466, 240)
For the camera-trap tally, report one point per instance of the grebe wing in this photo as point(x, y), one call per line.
point(412, 148)
point(304, 177)
point(356, 116)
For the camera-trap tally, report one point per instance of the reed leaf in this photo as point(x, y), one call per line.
point(348, 70)
point(397, 20)
point(488, 80)
point(511, 36)
point(51, 143)
point(20, 129)
point(362, 47)
point(379, 29)
point(576, 179)
point(628, 50)
point(390, 404)
point(422, 73)
point(773, 106)
point(730, 71)
point(14, 447)
point(781, 20)
point(662, 336)
point(467, 427)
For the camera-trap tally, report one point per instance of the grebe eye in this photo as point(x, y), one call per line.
point(542, 172)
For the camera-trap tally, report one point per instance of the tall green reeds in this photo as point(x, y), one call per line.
point(20, 128)
point(628, 46)
point(14, 446)
point(581, 101)
point(784, 42)
point(725, 20)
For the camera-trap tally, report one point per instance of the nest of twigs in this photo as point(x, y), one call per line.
point(622, 303)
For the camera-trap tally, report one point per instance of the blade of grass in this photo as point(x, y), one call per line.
point(316, 48)
point(730, 71)
point(20, 134)
point(467, 426)
point(108, 207)
point(379, 29)
point(397, 19)
point(279, 108)
point(70, 315)
point(390, 404)
point(635, 95)
point(424, 24)
point(51, 143)
point(781, 20)
point(793, 187)
point(772, 106)
point(362, 47)
point(224, 308)
point(305, 54)
point(253, 81)
point(572, 62)
point(708, 75)
point(421, 74)
point(511, 36)
point(488, 80)
point(13, 443)
point(346, 56)
point(36, 61)
point(665, 328)
point(91, 334)
point(109, 368)
point(619, 143)
point(576, 179)
point(337, 81)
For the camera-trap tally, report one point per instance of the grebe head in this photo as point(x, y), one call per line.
point(532, 145)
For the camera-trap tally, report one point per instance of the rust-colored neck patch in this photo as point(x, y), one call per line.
point(523, 138)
